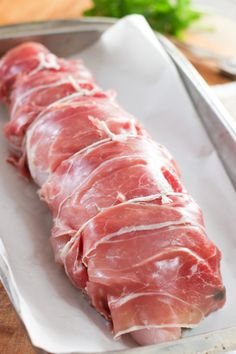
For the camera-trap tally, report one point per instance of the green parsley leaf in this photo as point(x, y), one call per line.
point(166, 16)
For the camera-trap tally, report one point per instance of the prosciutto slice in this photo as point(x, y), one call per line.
point(32, 78)
point(126, 231)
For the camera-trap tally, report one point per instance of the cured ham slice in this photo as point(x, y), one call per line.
point(126, 231)
point(20, 60)
point(32, 78)
point(106, 175)
point(72, 125)
point(28, 59)
point(31, 94)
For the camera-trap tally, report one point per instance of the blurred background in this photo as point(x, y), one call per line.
point(204, 30)
point(203, 24)
point(29, 10)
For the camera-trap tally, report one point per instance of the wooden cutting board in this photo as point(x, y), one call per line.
point(13, 337)
point(221, 38)
point(216, 34)
point(35, 10)
point(211, 32)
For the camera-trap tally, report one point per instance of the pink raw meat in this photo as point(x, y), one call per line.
point(32, 94)
point(72, 125)
point(27, 58)
point(125, 229)
point(108, 174)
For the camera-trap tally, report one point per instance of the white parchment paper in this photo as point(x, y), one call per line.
point(129, 59)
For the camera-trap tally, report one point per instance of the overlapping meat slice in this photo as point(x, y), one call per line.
point(104, 175)
point(33, 93)
point(24, 59)
point(32, 79)
point(69, 126)
point(154, 264)
point(73, 171)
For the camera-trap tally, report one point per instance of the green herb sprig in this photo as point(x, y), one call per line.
point(166, 16)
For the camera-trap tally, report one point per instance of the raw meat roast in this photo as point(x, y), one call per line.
point(125, 229)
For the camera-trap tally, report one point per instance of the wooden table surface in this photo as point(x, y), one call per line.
point(221, 39)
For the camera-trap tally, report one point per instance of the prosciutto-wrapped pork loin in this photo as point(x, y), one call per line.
point(125, 229)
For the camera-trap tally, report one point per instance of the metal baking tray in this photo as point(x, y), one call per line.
point(67, 37)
